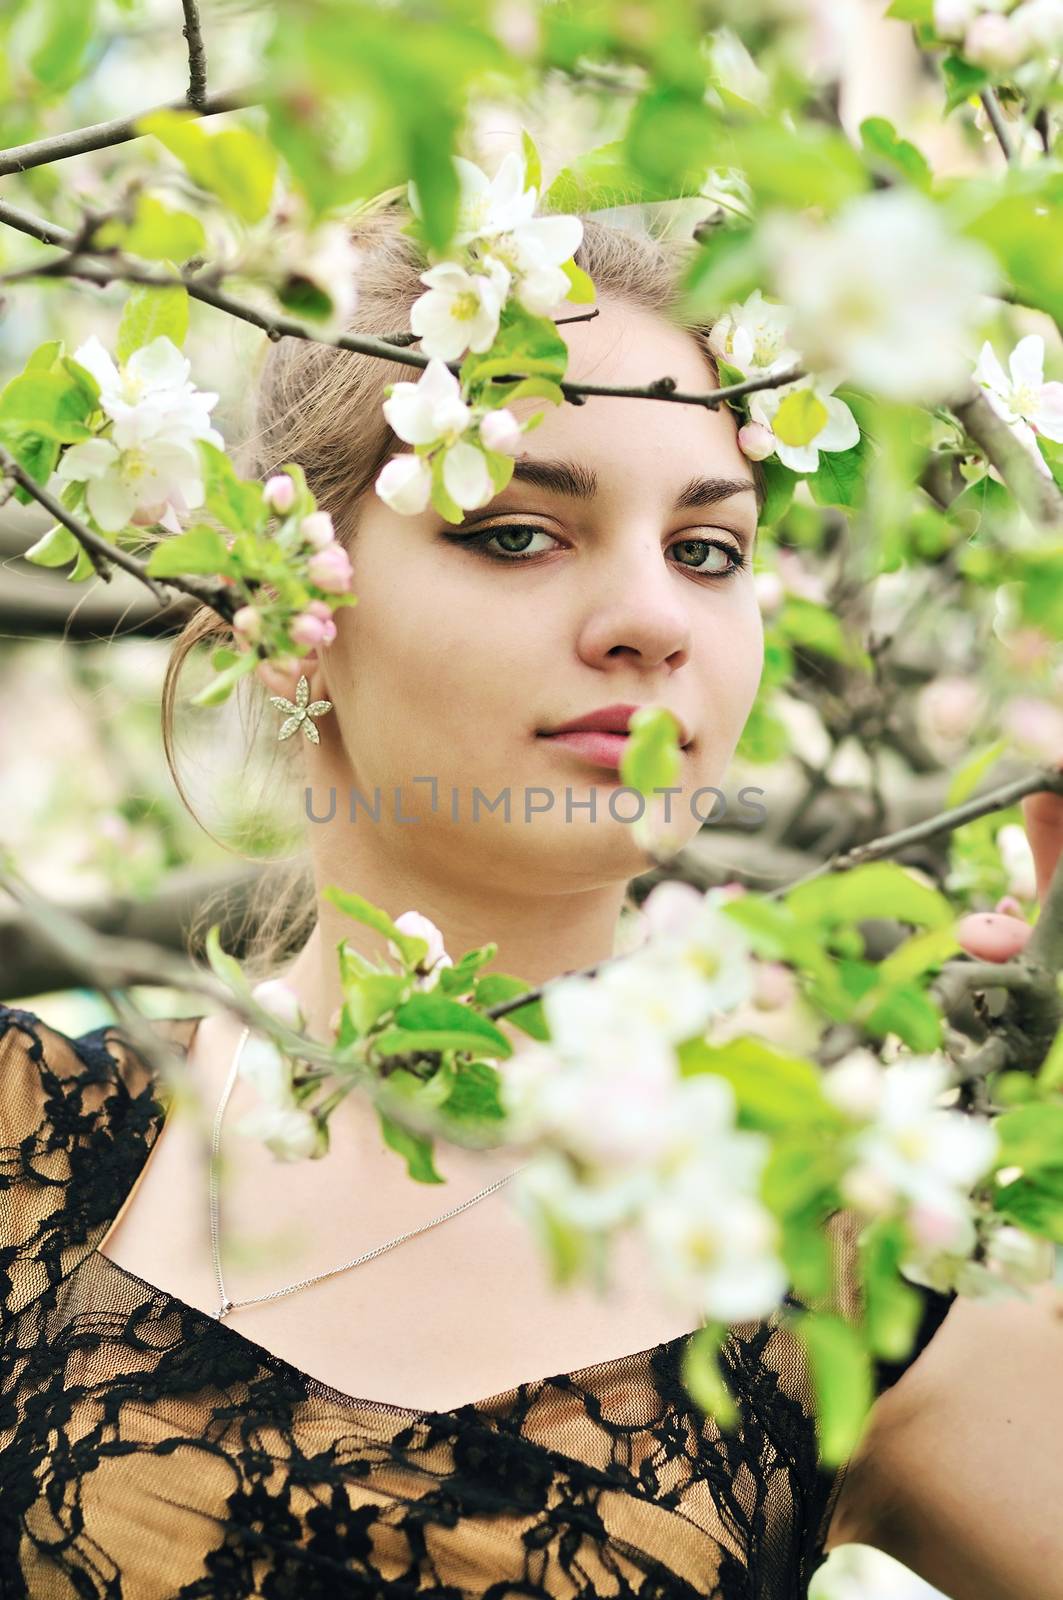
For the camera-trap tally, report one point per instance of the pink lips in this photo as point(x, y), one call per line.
point(604, 749)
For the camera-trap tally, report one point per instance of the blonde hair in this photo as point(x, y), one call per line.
point(322, 407)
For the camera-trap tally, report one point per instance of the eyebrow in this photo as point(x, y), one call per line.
point(581, 483)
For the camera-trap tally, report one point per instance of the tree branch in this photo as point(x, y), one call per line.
point(215, 595)
point(197, 55)
point(989, 100)
point(1037, 493)
point(276, 328)
point(101, 135)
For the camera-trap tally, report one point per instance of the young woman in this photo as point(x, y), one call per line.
point(440, 1420)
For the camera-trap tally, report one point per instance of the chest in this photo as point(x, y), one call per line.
point(458, 1311)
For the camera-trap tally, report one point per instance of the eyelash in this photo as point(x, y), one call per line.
point(480, 541)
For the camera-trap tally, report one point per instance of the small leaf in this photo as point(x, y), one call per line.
point(197, 550)
point(841, 1375)
point(53, 549)
point(149, 314)
point(414, 1148)
point(800, 417)
point(703, 1378)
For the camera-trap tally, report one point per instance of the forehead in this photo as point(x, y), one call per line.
point(619, 438)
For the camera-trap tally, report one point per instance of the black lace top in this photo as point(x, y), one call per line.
point(148, 1452)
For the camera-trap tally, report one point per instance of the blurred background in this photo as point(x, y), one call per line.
point(89, 809)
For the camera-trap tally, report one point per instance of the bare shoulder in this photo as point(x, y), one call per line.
point(960, 1471)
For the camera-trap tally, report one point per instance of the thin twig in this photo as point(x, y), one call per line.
point(996, 121)
point(277, 328)
point(197, 54)
point(215, 595)
point(101, 135)
point(1041, 779)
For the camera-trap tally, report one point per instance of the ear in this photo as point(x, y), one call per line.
point(282, 675)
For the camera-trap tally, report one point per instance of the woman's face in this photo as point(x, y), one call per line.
point(605, 589)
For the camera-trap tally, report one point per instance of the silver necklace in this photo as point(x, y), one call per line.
point(225, 1304)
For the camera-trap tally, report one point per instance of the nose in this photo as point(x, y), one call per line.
point(637, 608)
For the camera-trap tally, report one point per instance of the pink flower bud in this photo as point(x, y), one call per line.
point(306, 629)
point(500, 430)
point(247, 623)
point(320, 608)
point(755, 441)
point(773, 986)
point(992, 42)
point(317, 529)
point(279, 493)
point(330, 569)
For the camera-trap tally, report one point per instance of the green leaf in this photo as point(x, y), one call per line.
point(702, 1376)
point(841, 1375)
point(225, 966)
point(236, 502)
point(967, 778)
point(415, 1149)
point(800, 417)
point(221, 687)
point(494, 987)
point(158, 231)
point(427, 1011)
point(197, 550)
point(235, 163)
point(879, 889)
point(806, 165)
point(353, 905)
point(813, 626)
point(779, 485)
point(51, 404)
point(533, 167)
point(1031, 1137)
point(54, 549)
point(581, 291)
point(151, 314)
point(893, 1306)
point(45, 356)
point(962, 80)
point(63, 34)
point(773, 1089)
point(475, 1095)
point(912, 10)
point(840, 477)
point(886, 151)
point(651, 759)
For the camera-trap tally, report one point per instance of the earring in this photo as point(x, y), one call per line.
point(300, 713)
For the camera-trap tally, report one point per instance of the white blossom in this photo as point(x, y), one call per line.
point(466, 476)
point(268, 1071)
point(157, 477)
point(1038, 25)
point(150, 395)
point(290, 1133)
point(754, 337)
point(405, 484)
point(839, 430)
point(428, 410)
point(460, 310)
point(884, 292)
point(913, 1152)
point(714, 1245)
point(1021, 396)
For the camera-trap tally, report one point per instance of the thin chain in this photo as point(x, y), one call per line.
point(225, 1305)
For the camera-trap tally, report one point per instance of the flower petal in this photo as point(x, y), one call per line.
point(111, 502)
point(841, 432)
point(1048, 418)
point(465, 476)
point(96, 359)
point(1027, 362)
point(91, 459)
point(988, 371)
point(159, 365)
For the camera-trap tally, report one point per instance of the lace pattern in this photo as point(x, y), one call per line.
point(148, 1452)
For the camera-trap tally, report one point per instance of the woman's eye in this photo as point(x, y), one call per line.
point(723, 560)
point(706, 558)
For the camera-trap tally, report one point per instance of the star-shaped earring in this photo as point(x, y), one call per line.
point(300, 713)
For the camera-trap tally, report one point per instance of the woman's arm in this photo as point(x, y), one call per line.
point(960, 1472)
